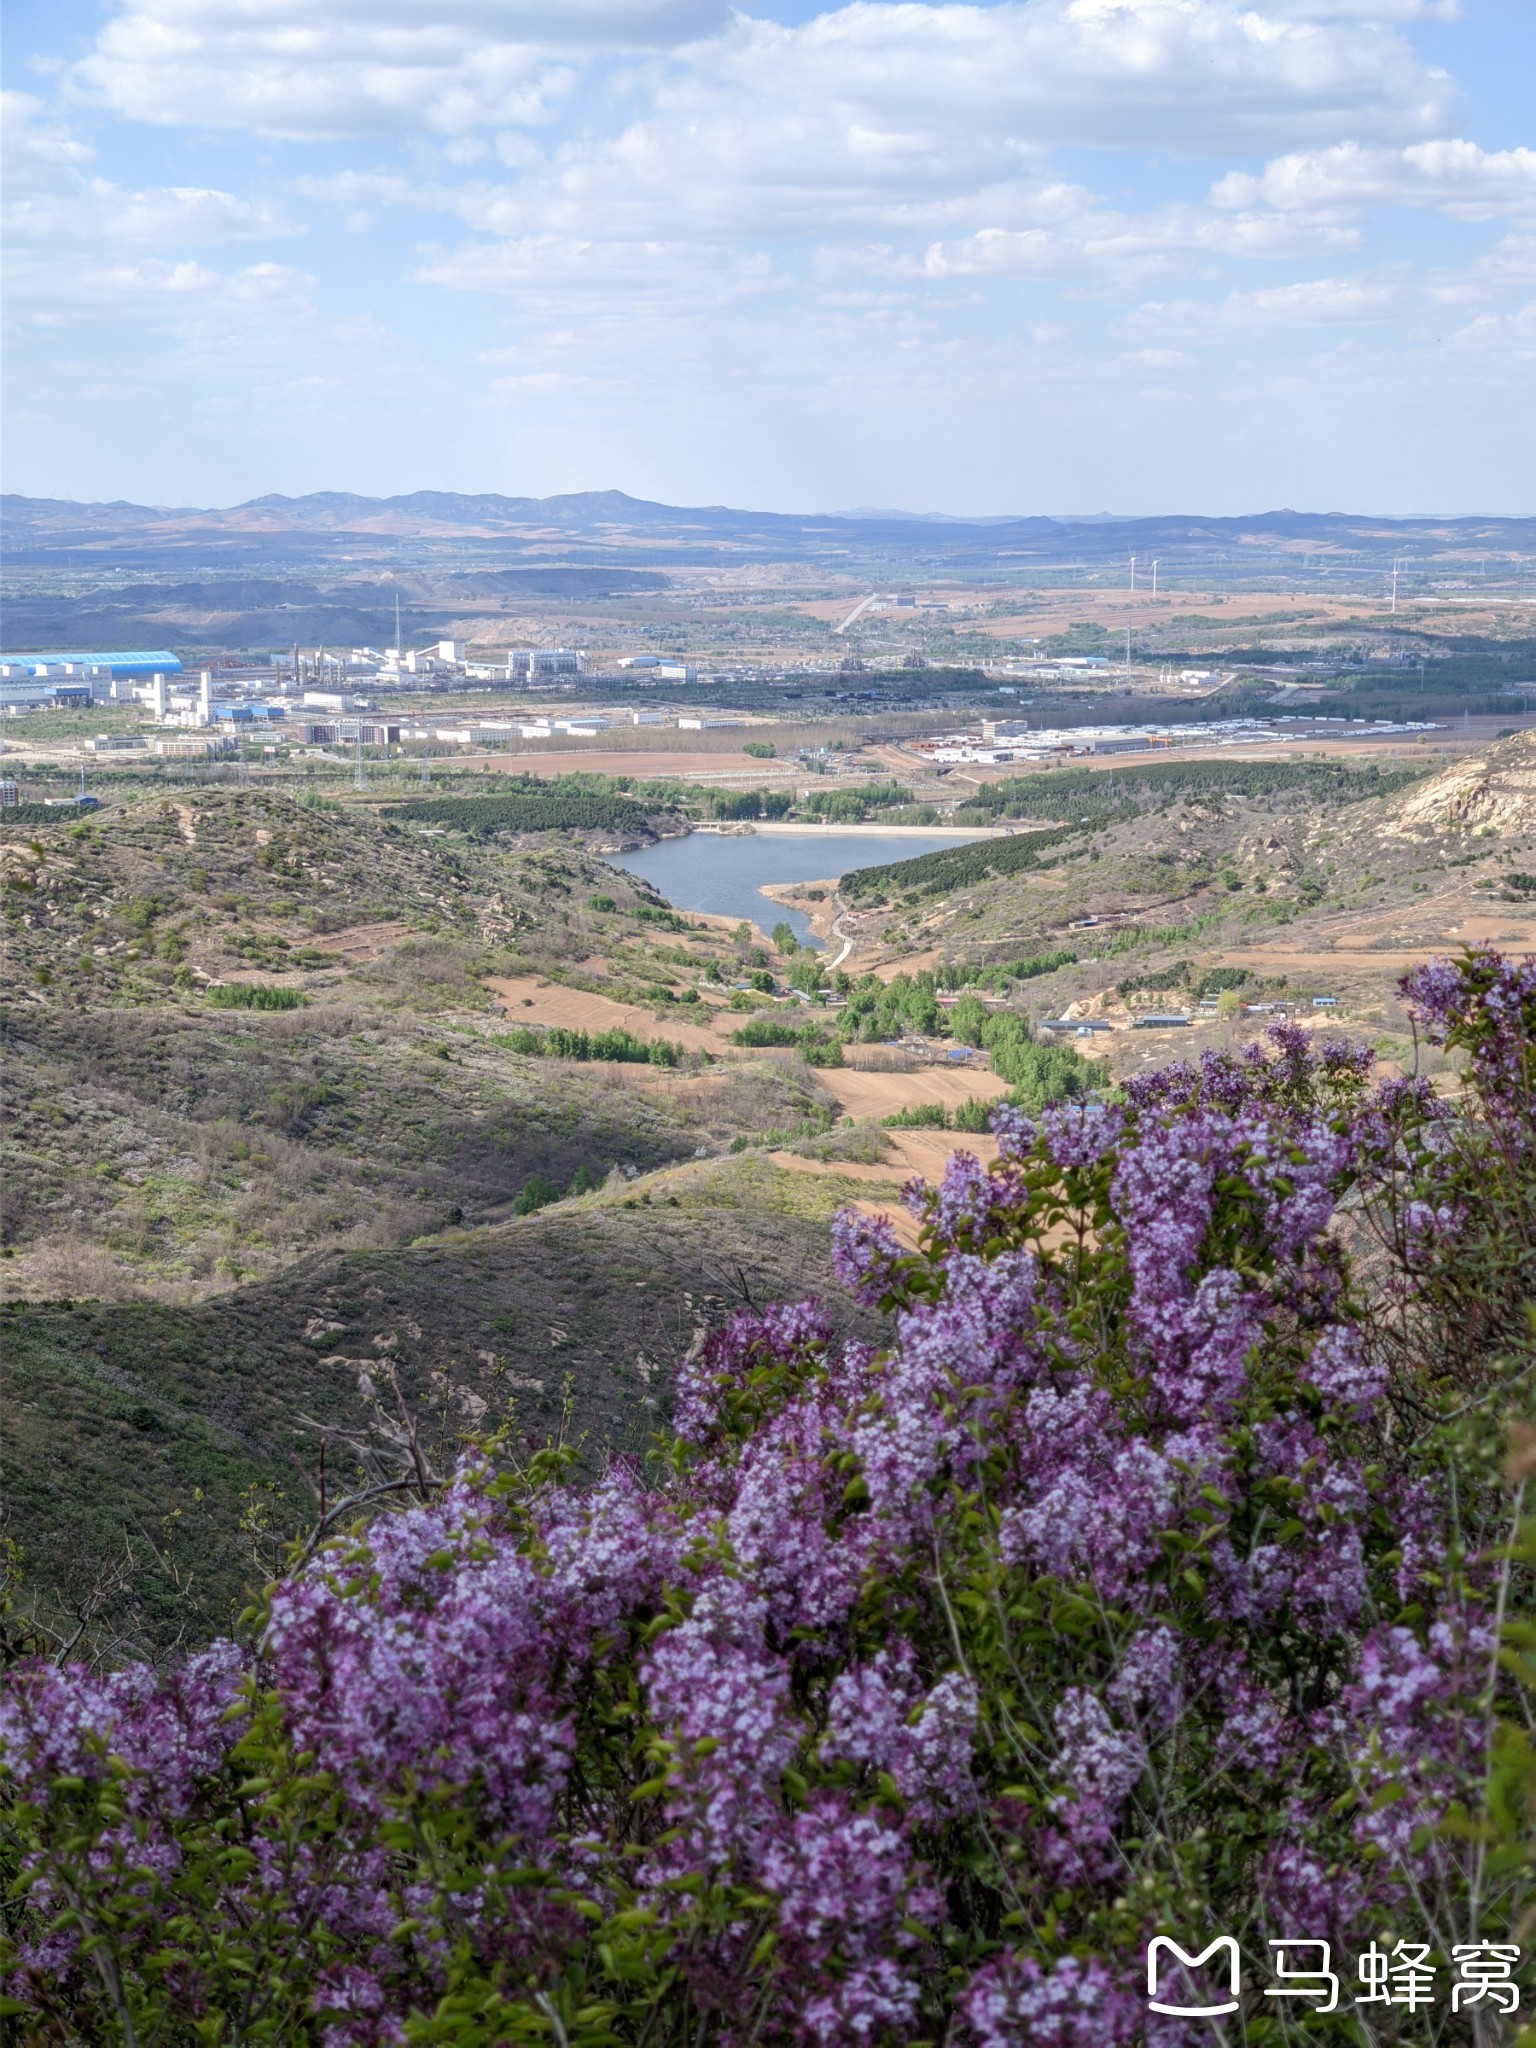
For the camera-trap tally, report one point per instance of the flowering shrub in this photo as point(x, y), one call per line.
point(1152, 1578)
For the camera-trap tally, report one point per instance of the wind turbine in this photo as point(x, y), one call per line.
point(1133, 572)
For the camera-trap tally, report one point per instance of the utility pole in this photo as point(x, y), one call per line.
point(1127, 650)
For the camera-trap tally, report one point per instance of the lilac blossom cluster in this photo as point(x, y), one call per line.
point(906, 1697)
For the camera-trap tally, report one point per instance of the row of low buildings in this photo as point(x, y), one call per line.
point(1004, 741)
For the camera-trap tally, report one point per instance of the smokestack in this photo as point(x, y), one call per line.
point(205, 698)
point(157, 698)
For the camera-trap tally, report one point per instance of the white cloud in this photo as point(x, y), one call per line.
point(1456, 177)
point(306, 68)
point(76, 243)
point(1512, 333)
point(891, 82)
point(552, 274)
point(1315, 302)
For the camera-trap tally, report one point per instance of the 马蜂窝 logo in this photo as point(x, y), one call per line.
point(1483, 1974)
point(1222, 1945)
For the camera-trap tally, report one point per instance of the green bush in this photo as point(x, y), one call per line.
point(974, 1114)
point(255, 995)
point(615, 1044)
point(523, 1040)
point(736, 804)
point(760, 750)
point(537, 1193)
point(879, 1009)
point(1176, 976)
point(601, 903)
point(1222, 978)
point(955, 867)
point(998, 974)
point(40, 814)
point(767, 1031)
point(818, 1051)
point(523, 811)
point(918, 1116)
point(814, 1046)
point(852, 806)
point(968, 1021)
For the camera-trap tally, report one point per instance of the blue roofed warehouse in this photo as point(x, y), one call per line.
point(151, 661)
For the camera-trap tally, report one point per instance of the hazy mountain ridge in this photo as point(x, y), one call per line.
point(46, 528)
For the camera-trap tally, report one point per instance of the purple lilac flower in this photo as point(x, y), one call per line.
point(878, 1714)
point(1075, 2002)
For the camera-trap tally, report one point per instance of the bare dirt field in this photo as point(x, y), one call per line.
point(528, 999)
point(862, 1093)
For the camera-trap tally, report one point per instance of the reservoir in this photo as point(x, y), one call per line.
point(724, 873)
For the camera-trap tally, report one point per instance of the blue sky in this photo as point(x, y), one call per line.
point(1050, 256)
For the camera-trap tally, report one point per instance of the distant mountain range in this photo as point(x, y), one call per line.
point(598, 529)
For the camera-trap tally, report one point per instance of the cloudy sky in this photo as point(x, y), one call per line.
point(1038, 256)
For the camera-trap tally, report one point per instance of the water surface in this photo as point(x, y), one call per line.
point(724, 875)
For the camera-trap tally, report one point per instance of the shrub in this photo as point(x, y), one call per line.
point(960, 974)
point(918, 1116)
point(879, 1009)
point(537, 1193)
point(523, 1040)
point(535, 810)
point(1220, 980)
point(615, 1044)
point(601, 903)
point(784, 937)
point(817, 1049)
point(760, 750)
point(1150, 1578)
point(766, 1031)
point(968, 1020)
point(750, 803)
point(254, 995)
point(974, 1114)
point(1176, 976)
point(40, 814)
point(1038, 1075)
